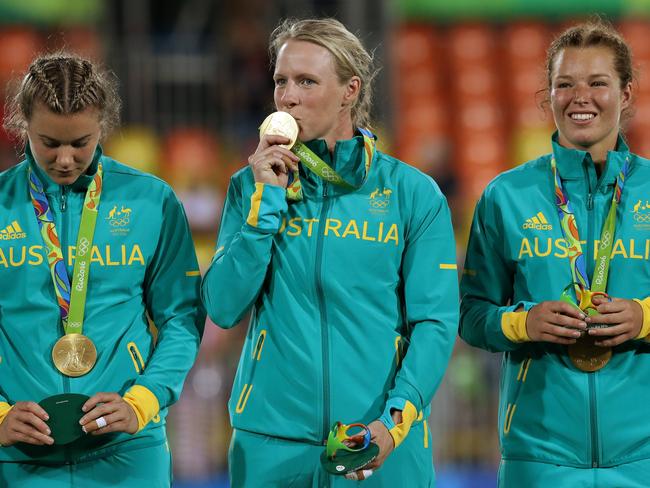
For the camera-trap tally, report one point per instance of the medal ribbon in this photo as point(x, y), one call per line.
point(325, 171)
point(570, 230)
point(71, 299)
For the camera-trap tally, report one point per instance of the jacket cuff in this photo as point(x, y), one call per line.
point(144, 403)
point(4, 410)
point(267, 203)
point(513, 326)
point(409, 415)
point(645, 328)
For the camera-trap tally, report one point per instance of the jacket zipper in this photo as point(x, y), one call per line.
point(323, 315)
point(64, 235)
point(64, 198)
point(591, 379)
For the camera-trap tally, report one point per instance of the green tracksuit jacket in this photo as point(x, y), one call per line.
point(517, 256)
point(353, 295)
point(143, 264)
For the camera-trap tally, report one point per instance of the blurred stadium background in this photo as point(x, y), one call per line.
point(459, 97)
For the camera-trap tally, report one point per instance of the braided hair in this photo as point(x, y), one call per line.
point(66, 84)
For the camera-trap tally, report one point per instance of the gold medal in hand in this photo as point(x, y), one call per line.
point(280, 124)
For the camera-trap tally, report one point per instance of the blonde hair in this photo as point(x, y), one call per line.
point(350, 57)
point(66, 84)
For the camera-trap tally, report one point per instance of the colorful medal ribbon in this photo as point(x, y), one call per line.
point(322, 169)
point(71, 299)
point(585, 291)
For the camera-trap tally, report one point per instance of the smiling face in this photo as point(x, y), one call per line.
point(587, 99)
point(63, 145)
point(306, 86)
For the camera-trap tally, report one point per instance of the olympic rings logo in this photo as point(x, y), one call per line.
point(606, 240)
point(642, 217)
point(379, 203)
point(119, 222)
point(83, 247)
point(330, 175)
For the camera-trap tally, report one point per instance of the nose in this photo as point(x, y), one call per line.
point(581, 94)
point(289, 95)
point(65, 156)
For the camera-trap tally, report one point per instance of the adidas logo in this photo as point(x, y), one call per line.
point(538, 222)
point(11, 232)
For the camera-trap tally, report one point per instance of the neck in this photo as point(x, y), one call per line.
point(599, 156)
point(341, 131)
point(599, 165)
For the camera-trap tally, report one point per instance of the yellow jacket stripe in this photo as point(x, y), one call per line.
point(256, 201)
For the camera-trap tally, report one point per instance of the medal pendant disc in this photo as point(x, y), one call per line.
point(281, 124)
point(74, 355)
point(588, 357)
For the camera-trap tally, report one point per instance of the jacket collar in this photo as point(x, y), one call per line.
point(49, 186)
point(348, 160)
point(572, 163)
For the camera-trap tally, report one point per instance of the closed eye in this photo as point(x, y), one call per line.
point(79, 143)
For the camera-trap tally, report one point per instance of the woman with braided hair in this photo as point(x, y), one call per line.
point(90, 249)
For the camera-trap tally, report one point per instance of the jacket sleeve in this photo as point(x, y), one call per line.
point(171, 292)
point(244, 248)
point(487, 317)
point(430, 280)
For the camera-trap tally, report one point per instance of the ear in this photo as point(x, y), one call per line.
point(626, 96)
point(352, 90)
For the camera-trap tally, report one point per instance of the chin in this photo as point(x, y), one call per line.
point(580, 139)
point(68, 180)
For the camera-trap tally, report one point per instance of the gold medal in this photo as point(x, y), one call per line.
point(74, 355)
point(587, 356)
point(280, 124)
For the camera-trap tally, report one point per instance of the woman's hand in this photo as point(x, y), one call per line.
point(555, 321)
point(379, 435)
point(108, 412)
point(624, 319)
point(271, 163)
point(25, 422)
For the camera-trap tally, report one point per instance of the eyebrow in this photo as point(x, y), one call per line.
point(606, 75)
point(298, 75)
point(52, 139)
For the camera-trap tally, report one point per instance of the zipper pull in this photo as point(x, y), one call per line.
point(590, 201)
point(64, 199)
